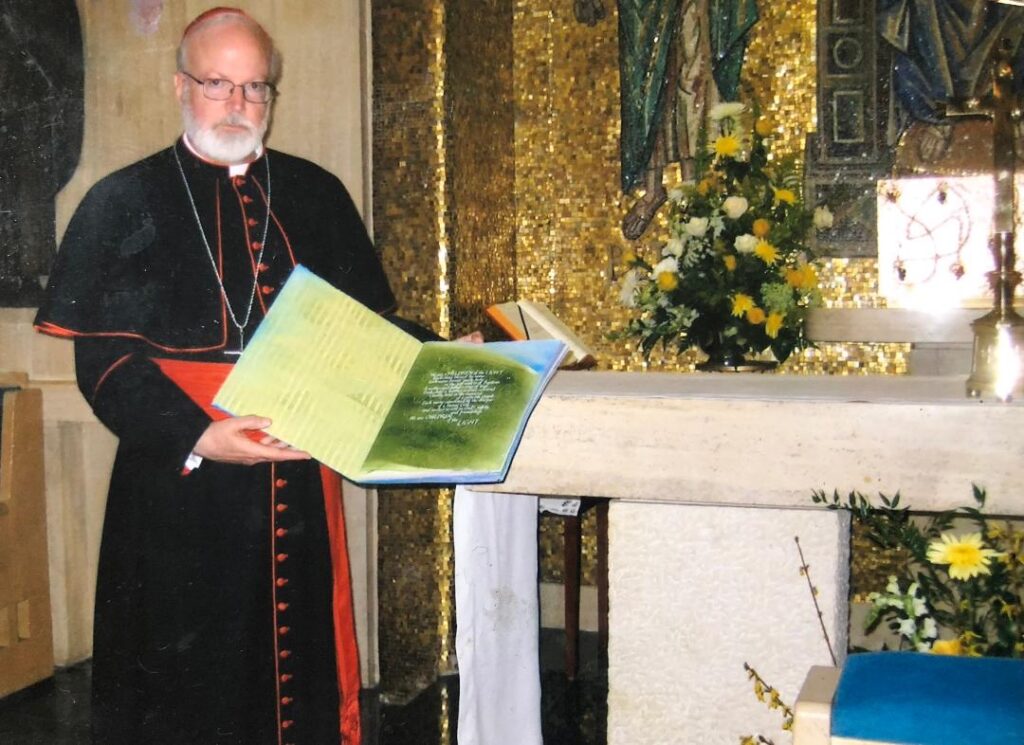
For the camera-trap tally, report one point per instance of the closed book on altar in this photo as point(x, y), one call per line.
point(526, 319)
point(375, 404)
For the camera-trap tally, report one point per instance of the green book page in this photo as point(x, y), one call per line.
point(324, 368)
point(460, 410)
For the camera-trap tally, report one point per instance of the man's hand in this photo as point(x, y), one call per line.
point(229, 441)
point(474, 337)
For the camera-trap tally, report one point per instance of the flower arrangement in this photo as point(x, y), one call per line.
point(734, 277)
point(961, 591)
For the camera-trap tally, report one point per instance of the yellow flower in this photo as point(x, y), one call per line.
point(741, 304)
point(755, 315)
point(784, 195)
point(766, 252)
point(966, 555)
point(803, 277)
point(764, 126)
point(727, 146)
point(667, 281)
point(947, 646)
point(773, 324)
point(730, 262)
point(810, 278)
point(628, 258)
point(761, 227)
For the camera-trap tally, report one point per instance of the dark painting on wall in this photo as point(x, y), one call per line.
point(41, 117)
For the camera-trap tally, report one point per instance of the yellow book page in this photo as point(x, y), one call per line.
point(324, 368)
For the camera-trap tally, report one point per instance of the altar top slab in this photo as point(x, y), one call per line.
point(892, 389)
point(769, 440)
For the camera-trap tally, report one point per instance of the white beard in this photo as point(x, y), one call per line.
point(224, 147)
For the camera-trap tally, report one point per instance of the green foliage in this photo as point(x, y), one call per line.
point(975, 599)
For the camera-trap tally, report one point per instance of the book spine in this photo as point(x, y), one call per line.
point(514, 331)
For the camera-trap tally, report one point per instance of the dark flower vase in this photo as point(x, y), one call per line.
point(728, 358)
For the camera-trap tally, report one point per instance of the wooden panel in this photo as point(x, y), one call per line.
point(26, 646)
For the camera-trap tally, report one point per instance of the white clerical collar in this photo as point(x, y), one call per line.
point(236, 169)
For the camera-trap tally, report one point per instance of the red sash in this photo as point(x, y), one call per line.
point(201, 381)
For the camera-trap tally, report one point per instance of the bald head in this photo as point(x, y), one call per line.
point(216, 19)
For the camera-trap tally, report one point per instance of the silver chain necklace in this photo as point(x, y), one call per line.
point(213, 263)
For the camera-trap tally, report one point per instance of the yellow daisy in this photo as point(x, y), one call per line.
point(741, 304)
point(755, 316)
point(730, 262)
point(784, 195)
point(766, 252)
point(804, 277)
point(667, 281)
point(764, 126)
point(628, 258)
point(727, 146)
point(773, 324)
point(810, 277)
point(966, 555)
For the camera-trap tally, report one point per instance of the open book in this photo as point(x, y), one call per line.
point(375, 404)
point(525, 319)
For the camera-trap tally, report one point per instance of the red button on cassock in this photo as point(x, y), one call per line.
point(281, 532)
point(284, 630)
point(281, 558)
point(251, 221)
point(282, 606)
point(256, 245)
point(287, 723)
point(284, 654)
point(286, 700)
point(281, 483)
point(285, 677)
point(266, 289)
point(281, 507)
point(246, 199)
point(281, 582)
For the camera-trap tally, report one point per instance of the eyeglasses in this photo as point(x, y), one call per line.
point(218, 89)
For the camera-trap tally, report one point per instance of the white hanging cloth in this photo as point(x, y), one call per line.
point(497, 618)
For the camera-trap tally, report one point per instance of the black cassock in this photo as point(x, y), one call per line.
point(216, 603)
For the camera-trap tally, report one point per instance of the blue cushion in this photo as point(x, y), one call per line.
point(928, 699)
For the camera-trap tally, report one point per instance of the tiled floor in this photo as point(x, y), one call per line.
point(56, 712)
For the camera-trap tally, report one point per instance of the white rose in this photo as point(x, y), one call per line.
point(822, 218)
point(727, 109)
point(630, 283)
point(746, 243)
point(674, 247)
point(696, 226)
point(734, 207)
point(668, 264)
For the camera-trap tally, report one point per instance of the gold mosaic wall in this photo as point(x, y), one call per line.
point(410, 227)
point(496, 174)
point(444, 207)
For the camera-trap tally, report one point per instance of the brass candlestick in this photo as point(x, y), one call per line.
point(997, 364)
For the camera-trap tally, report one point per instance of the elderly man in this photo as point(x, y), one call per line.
point(222, 611)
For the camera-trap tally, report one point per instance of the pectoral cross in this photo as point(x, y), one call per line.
point(241, 344)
